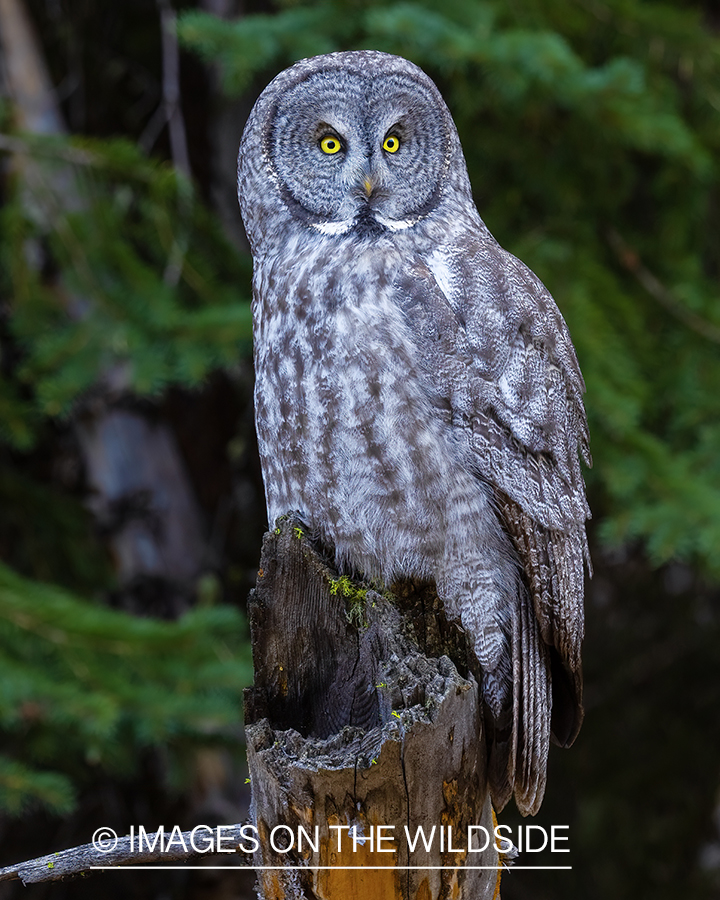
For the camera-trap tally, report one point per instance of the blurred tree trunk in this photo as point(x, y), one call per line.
point(139, 489)
point(226, 120)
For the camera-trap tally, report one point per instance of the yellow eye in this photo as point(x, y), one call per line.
point(330, 144)
point(391, 143)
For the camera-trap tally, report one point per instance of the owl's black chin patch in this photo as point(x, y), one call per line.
point(366, 225)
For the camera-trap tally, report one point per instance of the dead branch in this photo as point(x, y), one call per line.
point(83, 860)
point(657, 290)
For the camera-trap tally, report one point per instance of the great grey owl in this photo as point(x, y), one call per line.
point(418, 399)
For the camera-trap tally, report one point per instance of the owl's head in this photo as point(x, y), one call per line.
point(349, 142)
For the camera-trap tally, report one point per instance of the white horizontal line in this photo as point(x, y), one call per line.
point(339, 868)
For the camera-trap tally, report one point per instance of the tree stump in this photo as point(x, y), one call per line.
point(364, 736)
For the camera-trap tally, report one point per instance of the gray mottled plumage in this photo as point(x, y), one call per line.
point(418, 399)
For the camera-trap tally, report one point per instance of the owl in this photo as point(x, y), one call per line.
point(418, 400)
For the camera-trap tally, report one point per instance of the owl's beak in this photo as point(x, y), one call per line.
point(367, 180)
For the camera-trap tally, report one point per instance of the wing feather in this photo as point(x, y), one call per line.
point(525, 387)
point(554, 569)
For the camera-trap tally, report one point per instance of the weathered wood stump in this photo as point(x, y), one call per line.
point(364, 735)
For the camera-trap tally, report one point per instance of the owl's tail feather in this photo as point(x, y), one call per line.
point(518, 739)
point(534, 725)
point(501, 731)
point(485, 610)
point(488, 592)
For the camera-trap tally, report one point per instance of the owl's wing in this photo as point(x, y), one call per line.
point(521, 394)
point(523, 405)
point(502, 359)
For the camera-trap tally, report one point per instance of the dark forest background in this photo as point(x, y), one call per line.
point(131, 505)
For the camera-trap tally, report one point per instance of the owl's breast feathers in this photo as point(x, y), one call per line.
point(347, 422)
